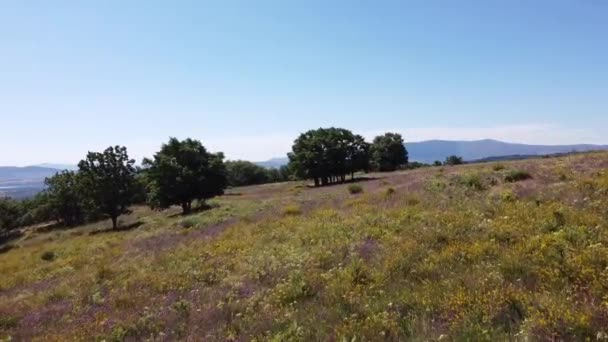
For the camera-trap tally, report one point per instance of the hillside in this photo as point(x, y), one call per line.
point(431, 150)
point(514, 250)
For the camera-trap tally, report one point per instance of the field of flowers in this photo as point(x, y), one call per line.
point(497, 251)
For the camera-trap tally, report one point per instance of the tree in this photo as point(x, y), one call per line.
point(64, 198)
point(107, 181)
point(183, 171)
point(286, 173)
point(437, 163)
point(10, 212)
point(241, 172)
point(453, 160)
point(327, 154)
point(358, 155)
point(388, 152)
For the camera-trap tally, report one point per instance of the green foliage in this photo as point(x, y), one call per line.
point(453, 160)
point(355, 189)
point(388, 152)
point(437, 163)
point(498, 167)
point(64, 197)
point(8, 322)
point(10, 212)
point(183, 171)
point(107, 180)
point(516, 176)
point(241, 172)
point(473, 181)
point(327, 155)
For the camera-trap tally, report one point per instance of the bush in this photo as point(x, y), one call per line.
point(453, 160)
point(472, 181)
point(355, 189)
point(516, 176)
point(389, 191)
point(292, 210)
point(189, 222)
point(48, 256)
point(498, 167)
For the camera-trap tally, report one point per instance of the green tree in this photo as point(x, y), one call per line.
point(388, 152)
point(241, 172)
point(63, 197)
point(453, 160)
point(10, 212)
point(183, 171)
point(286, 173)
point(437, 163)
point(327, 155)
point(107, 181)
point(359, 155)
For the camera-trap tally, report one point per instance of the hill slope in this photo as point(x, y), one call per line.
point(473, 252)
point(431, 150)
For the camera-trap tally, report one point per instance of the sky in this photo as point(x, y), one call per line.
point(246, 77)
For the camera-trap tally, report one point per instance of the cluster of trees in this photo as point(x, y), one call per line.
point(183, 171)
point(108, 182)
point(242, 172)
point(328, 155)
point(450, 161)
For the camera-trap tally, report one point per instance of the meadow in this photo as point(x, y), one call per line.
point(495, 251)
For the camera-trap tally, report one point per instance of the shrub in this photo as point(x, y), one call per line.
point(412, 201)
point(292, 210)
point(189, 222)
point(8, 322)
point(472, 181)
point(508, 196)
point(516, 176)
point(389, 191)
point(453, 160)
point(498, 167)
point(355, 189)
point(48, 256)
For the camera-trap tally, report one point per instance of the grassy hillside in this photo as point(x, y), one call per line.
point(516, 250)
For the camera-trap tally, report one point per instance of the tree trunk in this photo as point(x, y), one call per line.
point(114, 221)
point(316, 181)
point(186, 207)
point(352, 176)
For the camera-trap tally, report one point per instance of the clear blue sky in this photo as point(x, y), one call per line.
point(246, 77)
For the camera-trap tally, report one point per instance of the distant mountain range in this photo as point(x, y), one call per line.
point(23, 182)
point(431, 150)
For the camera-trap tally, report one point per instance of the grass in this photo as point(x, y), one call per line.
point(457, 255)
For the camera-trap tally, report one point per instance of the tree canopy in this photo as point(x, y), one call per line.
point(453, 160)
point(64, 199)
point(184, 171)
point(388, 152)
point(327, 155)
point(107, 181)
point(242, 172)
